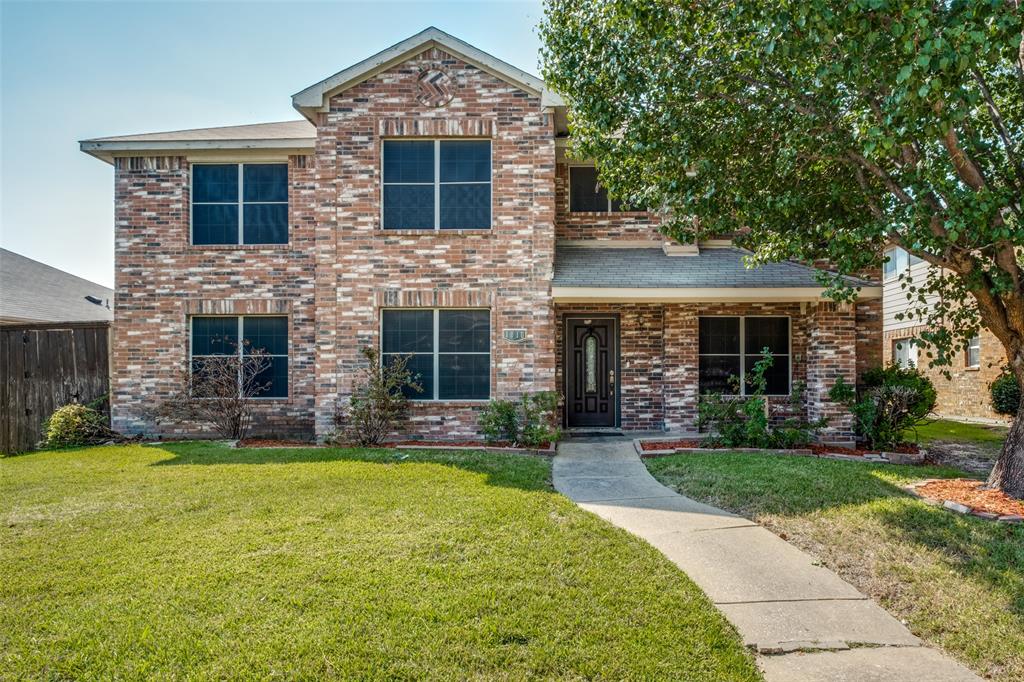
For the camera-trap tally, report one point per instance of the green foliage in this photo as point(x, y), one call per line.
point(816, 130)
point(746, 421)
point(530, 422)
point(378, 403)
point(76, 425)
point(1005, 393)
point(892, 400)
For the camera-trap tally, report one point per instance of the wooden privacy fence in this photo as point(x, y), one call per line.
point(43, 367)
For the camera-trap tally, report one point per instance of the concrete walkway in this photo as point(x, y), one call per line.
point(804, 622)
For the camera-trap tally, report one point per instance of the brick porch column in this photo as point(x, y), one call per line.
point(831, 353)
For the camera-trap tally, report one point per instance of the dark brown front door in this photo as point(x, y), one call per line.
point(591, 360)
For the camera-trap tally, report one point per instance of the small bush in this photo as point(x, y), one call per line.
point(74, 426)
point(1005, 393)
point(892, 400)
point(528, 423)
point(378, 403)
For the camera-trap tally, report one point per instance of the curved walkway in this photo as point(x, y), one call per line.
point(804, 622)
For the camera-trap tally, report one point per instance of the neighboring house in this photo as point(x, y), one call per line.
point(965, 393)
point(35, 293)
point(426, 206)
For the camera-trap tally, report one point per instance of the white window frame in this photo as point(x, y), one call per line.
point(437, 182)
point(240, 203)
point(568, 190)
point(972, 344)
point(436, 353)
point(241, 326)
point(911, 346)
point(743, 352)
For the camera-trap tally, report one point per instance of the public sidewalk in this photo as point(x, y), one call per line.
point(804, 622)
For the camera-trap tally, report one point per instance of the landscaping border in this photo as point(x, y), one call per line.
point(540, 452)
point(958, 508)
point(879, 458)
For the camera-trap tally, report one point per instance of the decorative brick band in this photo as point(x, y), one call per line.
point(140, 163)
point(230, 306)
point(435, 127)
point(433, 298)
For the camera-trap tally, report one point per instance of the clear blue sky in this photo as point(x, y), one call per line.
point(72, 71)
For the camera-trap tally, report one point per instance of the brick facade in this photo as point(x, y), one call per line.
point(340, 269)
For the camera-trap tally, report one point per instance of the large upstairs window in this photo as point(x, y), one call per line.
point(437, 184)
point(586, 195)
point(239, 203)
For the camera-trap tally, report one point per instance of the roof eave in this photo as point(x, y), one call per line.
point(107, 150)
point(591, 294)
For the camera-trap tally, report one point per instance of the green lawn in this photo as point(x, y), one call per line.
point(197, 561)
point(958, 582)
point(958, 432)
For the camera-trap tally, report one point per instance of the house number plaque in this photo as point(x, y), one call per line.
point(514, 335)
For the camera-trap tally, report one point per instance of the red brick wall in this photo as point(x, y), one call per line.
point(631, 226)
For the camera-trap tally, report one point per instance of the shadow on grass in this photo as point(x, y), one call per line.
point(527, 472)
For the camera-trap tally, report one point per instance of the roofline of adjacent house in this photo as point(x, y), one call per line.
point(584, 294)
point(314, 99)
point(106, 151)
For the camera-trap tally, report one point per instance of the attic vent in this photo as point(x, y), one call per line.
point(94, 300)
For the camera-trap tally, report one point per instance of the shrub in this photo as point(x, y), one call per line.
point(530, 422)
point(76, 425)
point(746, 421)
point(1005, 393)
point(218, 391)
point(378, 402)
point(892, 400)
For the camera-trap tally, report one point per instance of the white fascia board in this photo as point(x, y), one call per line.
point(314, 98)
point(106, 151)
point(564, 294)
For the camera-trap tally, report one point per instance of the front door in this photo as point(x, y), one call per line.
point(591, 361)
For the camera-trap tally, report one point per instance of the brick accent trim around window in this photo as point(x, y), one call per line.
point(436, 127)
point(433, 298)
point(231, 306)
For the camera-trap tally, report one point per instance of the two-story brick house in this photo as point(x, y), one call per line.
point(426, 206)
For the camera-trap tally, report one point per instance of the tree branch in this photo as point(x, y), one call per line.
point(1011, 149)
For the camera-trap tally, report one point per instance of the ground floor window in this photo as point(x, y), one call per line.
point(240, 337)
point(904, 353)
point(729, 347)
point(449, 349)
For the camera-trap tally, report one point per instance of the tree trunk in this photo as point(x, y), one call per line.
point(1008, 473)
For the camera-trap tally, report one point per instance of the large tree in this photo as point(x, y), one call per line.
point(820, 130)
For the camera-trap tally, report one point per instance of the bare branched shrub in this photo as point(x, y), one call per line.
point(218, 391)
point(378, 402)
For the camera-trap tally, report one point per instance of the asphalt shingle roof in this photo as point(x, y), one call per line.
point(31, 291)
point(255, 131)
point(577, 266)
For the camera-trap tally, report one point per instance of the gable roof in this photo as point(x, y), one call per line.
point(299, 134)
point(31, 291)
point(315, 98)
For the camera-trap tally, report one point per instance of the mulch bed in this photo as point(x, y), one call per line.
point(908, 448)
point(971, 494)
point(816, 449)
point(672, 444)
point(463, 444)
point(273, 443)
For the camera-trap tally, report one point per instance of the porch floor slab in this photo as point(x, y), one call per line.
point(783, 604)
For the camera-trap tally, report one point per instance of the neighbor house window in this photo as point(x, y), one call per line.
point(449, 350)
point(587, 195)
point(897, 262)
point(904, 353)
point(729, 347)
point(437, 184)
point(240, 203)
point(240, 336)
point(973, 352)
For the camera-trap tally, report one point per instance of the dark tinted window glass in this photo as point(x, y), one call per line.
point(214, 335)
point(715, 371)
point(464, 377)
point(465, 207)
point(215, 223)
point(266, 223)
point(584, 192)
point(224, 367)
point(215, 182)
point(422, 369)
point(408, 161)
point(465, 161)
point(720, 335)
point(408, 331)
point(267, 333)
point(467, 331)
point(408, 207)
point(266, 181)
point(272, 379)
point(767, 332)
point(777, 375)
